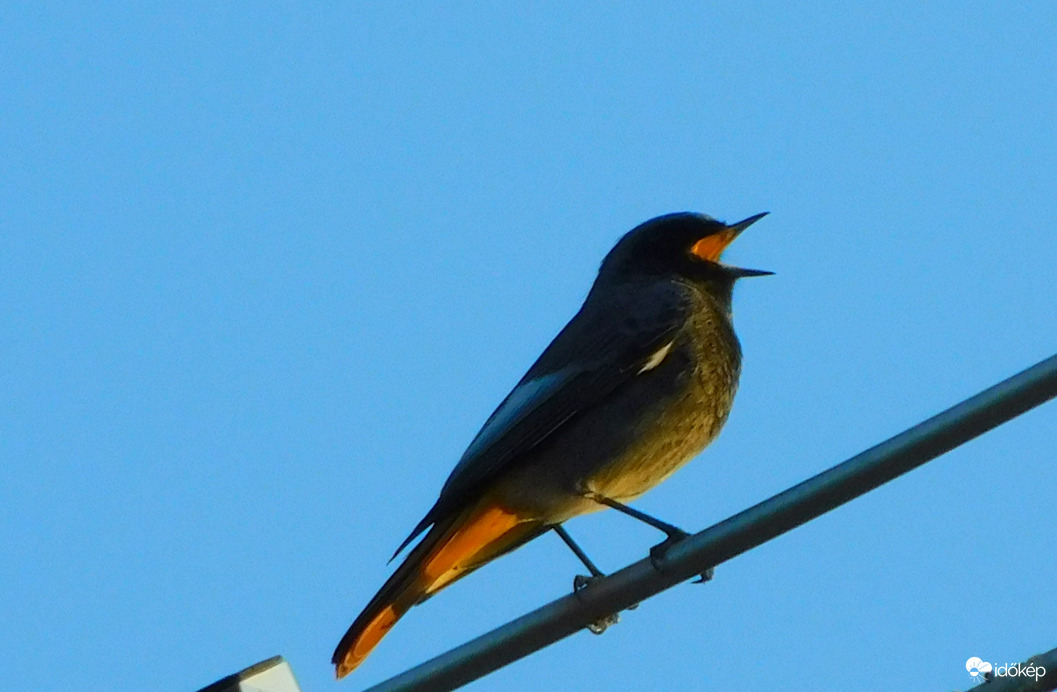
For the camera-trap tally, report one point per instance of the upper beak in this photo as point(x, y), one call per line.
point(737, 228)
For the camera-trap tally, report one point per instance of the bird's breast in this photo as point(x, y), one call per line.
point(675, 409)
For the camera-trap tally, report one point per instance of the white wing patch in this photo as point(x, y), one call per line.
point(657, 358)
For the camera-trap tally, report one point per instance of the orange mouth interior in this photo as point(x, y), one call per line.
point(712, 246)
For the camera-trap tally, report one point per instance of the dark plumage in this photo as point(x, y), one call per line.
point(638, 382)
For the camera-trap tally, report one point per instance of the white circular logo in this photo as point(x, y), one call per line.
point(977, 667)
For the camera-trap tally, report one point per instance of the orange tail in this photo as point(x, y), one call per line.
point(453, 548)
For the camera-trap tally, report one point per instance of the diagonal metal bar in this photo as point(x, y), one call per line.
point(738, 534)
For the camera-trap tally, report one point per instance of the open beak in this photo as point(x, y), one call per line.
point(711, 247)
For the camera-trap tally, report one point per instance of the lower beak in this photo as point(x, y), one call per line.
point(741, 273)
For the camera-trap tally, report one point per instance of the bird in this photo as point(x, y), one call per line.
point(639, 381)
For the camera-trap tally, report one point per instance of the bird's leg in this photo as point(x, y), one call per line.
point(674, 533)
point(581, 581)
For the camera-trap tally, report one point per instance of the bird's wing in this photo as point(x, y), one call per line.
point(609, 342)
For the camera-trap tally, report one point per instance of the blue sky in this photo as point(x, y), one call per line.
point(266, 269)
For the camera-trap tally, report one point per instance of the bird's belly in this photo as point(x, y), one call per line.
point(676, 438)
point(597, 459)
point(694, 394)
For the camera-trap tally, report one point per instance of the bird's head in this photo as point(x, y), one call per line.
point(684, 244)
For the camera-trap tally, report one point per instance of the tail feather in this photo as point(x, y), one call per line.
point(453, 547)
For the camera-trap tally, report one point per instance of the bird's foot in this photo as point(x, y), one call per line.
point(658, 551)
point(602, 624)
point(581, 582)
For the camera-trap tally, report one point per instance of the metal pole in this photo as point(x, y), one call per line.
point(733, 536)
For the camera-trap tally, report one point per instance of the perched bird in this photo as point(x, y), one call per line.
point(638, 382)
